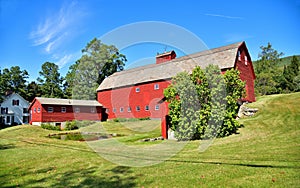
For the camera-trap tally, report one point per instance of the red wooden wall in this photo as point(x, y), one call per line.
point(58, 116)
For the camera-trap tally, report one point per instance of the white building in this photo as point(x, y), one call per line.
point(14, 110)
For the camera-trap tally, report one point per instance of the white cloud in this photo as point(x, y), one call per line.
point(224, 16)
point(54, 29)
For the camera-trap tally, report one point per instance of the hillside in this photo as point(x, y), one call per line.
point(265, 153)
point(283, 61)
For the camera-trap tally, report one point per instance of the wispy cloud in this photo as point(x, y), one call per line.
point(224, 16)
point(55, 28)
point(63, 60)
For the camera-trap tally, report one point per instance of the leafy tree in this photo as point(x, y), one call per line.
point(204, 104)
point(50, 81)
point(267, 72)
point(14, 80)
point(97, 62)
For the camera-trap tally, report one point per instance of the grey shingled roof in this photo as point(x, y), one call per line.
point(224, 57)
point(67, 102)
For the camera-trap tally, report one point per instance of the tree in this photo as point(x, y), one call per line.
point(289, 75)
point(14, 80)
point(50, 81)
point(33, 90)
point(204, 104)
point(267, 72)
point(69, 80)
point(97, 62)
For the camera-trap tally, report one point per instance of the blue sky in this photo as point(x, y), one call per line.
point(34, 31)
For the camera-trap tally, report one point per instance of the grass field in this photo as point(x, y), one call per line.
point(265, 153)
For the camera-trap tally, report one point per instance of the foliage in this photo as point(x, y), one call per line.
point(69, 80)
point(71, 125)
point(204, 104)
point(97, 62)
point(270, 77)
point(50, 127)
point(13, 80)
point(50, 81)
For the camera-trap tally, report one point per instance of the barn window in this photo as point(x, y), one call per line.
point(39, 110)
point(137, 89)
point(129, 109)
point(239, 55)
point(107, 110)
point(156, 86)
point(137, 108)
point(50, 109)
point(34, 110)
point(93, 109)
point(63, 109)
point(157, 107)
point(121, 109)
point(147, 107)
point(114, 110)
point(246, 60)
point(77, 110)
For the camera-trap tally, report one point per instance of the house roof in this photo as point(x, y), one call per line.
point(224, 57)
point(67, 102)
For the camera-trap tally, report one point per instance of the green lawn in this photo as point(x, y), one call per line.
point(265, 153)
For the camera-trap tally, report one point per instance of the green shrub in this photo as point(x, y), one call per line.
point(50, 127)
point(71, 125)
point(130, 119)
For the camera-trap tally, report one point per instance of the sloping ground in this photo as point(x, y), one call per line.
point(265, 153)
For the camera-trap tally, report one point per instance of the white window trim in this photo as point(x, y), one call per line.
point(137, 90)
point(146, 108)
point(93, 109)
point(50, 111)
point(156, 86)
point(121, 109)
point(77, 110)
point(138, 108)
point(157, 107)
point(129, 109)
point(63, 109)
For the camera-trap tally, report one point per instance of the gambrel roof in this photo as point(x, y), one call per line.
point(224, 57)
point(67, 102)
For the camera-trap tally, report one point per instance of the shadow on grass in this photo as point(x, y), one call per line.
point(6, 146)
point(118, 176)
point(234, 164)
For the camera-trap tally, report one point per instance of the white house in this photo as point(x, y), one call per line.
point(14, 110)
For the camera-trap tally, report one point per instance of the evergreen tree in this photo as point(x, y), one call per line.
point(289, 75)
point(50, 81)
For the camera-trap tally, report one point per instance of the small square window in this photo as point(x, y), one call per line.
point(147, 107)
point(246, 60)
point(63, 109)
point(93, 109)
point(39, 110)
point(114, 110)
point(50, 109)
point(129, 109)
point(156, 86)
point(77, 110)
point(121, 109)
point(137, 89)
point(107, 110)
point(137, 108)
point(157, 107)
point(34, 110)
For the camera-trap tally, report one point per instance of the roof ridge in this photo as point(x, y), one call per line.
point(194, 55)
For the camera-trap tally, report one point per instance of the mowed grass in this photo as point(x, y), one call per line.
point(265, 153)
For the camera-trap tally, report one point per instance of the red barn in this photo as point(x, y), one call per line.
point(138, 92)
point(59, 111)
